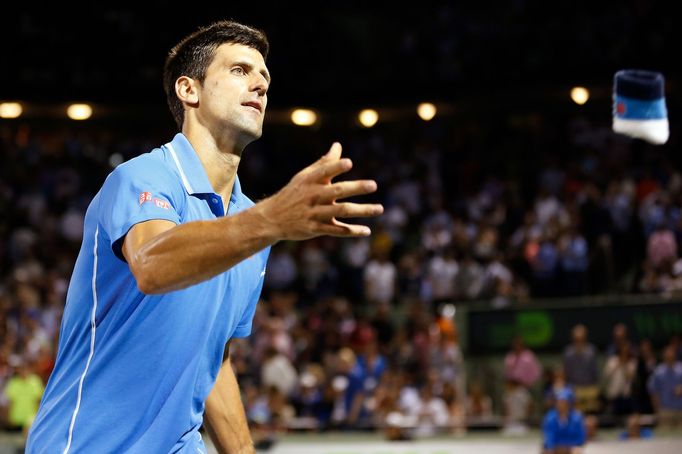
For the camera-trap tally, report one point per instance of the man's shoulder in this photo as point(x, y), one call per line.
point(152, 168)
point(151, 161)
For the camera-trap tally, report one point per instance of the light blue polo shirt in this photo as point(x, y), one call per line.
point(133, 370)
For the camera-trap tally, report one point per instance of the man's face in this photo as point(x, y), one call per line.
point(234, 91)
point(562, 406)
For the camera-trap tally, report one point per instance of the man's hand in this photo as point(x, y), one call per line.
point(307, 206)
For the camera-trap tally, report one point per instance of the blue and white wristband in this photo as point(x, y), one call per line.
point(639, 109)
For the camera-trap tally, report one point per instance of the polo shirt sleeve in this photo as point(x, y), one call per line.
point(136, 192)
point(244, 327)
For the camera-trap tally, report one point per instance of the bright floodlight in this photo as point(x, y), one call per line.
point(426, 111)
point(79, 111)
point(10, 110)
point(580, 95)
point(303, 117)
point(368, 118)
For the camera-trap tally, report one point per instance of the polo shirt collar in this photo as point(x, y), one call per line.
point(192, 172)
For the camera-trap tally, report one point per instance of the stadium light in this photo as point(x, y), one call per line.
point(580, 95)
point(79, 111)
point(368, 117)
point(10, 110)
point(426, 111)
point(303, 117)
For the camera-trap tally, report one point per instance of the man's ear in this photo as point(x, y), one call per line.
point(186, 89)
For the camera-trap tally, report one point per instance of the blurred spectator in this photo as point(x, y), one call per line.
point(591, 427)
point(313, 400)
point(469, 278)
point(563, 427)
point(557, 385)
point(456, 411)
point(268, 412)
point(518, 405)
point(383, 326)
point(521, 365)
point(619, 339)
point(380, 279)
point(661, 246)
point(440, 276)
point(574, 254)
point(430, 414)
point(543, 258)
point(580, 369)
point(479, 406)
point(665, 386)
point(23, 392)
point(619, 376)
point(281, 271)
point(278, 372)
point(646, 364)
point(634, 430)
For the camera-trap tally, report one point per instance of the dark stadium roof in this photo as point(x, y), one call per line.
point(335, 53)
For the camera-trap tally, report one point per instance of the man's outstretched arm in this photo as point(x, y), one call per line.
point(164, 257)
point(224, 417)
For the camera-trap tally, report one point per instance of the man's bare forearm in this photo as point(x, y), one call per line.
point(196, 251)
point(224, 418)
point(166, 257)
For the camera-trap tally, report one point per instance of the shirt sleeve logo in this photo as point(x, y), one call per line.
point(147, 197)
point(161, 203)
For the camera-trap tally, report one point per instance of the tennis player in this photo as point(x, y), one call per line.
point(172, 265)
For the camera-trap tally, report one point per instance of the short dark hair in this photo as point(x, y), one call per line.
point(192, 56)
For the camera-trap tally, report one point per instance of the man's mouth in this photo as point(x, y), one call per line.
point(255, 104)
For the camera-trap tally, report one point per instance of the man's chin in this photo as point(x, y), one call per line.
point(249, 135)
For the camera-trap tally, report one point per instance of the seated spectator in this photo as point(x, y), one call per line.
point(563, 427)
point(557, 384)
point(455, 410)
point(431, 413)
point(591, 427)
point(665, 386)
point(634, 430)
point(517, 408)
point(479, 406)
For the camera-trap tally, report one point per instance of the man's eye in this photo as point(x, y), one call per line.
point(238, 70)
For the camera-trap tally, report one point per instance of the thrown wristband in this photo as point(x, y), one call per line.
point(639, 109)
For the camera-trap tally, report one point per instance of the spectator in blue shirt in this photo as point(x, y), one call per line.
point(665, 386)
point(563, 427)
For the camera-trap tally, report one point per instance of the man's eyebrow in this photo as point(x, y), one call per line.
point(250, 67)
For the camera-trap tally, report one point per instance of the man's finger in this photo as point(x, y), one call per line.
point(334, 152)
point(342, 229)
point(324, 171)
point(333, 155)
point(348, 210)
point(344, 189)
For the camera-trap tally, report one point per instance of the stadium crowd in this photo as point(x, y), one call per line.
point(360, 333)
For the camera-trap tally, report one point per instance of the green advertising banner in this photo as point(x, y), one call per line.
point(548, 328)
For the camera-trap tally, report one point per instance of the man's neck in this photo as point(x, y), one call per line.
point(220, 157)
